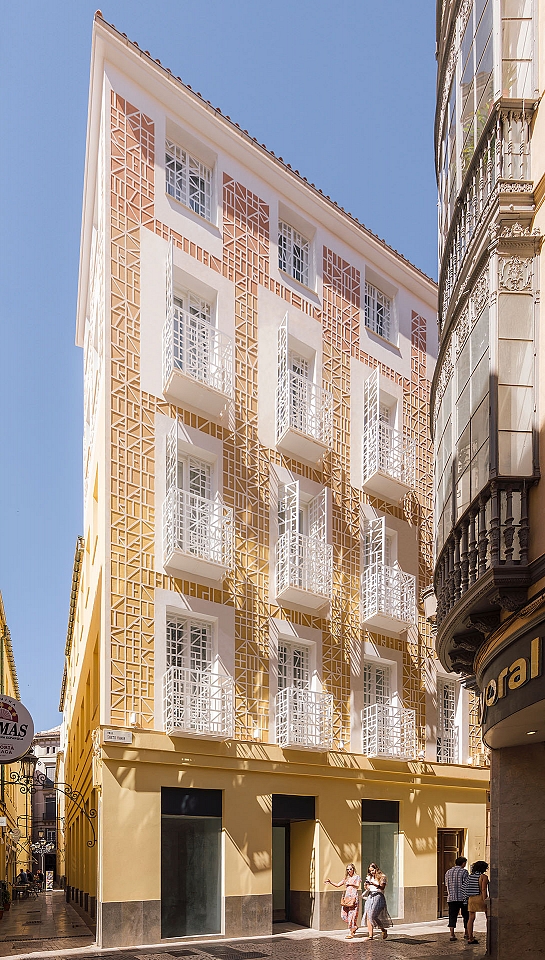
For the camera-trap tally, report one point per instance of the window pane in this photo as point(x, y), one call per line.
point(517, 8)
point(463, 410)
point(462, 494)
point(516, 408)
point(479, 470)
point(380, 845)
point(515, 454)
point(516, 39)
point(479, 383)
point(479, 427)
point(515, 320)
point(516, 362)
point(462, 367)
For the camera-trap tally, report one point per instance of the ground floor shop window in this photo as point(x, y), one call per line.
point(380, 844)
point(191, 862)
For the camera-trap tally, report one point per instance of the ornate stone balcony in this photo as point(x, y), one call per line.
point(304, 718)
point(198, 703)
point(388, 731)
point(482, 570)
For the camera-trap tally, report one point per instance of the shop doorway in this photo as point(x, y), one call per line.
point(450, 845)
point(293, 820)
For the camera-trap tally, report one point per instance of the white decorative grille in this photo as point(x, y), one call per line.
point(300, 404)
point(384, 448)
point(389, 731)
point(386, 591)
point(198, 349)
point(304, 562)
point(378, 313)
point(198, 702)
point(304, 718)
point(188, 180)
point(198, 527)
point(293, 253)
point(447, 731)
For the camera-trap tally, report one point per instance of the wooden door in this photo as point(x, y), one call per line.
point(450, 845)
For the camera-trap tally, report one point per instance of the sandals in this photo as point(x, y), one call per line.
point(473, 941)
point(384, 934)
point(452, 939)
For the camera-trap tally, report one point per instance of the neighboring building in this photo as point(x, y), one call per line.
point(488, 420)
point(44, 799)
point(14, 835)
point(250, 696)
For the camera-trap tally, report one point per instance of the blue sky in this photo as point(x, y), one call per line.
point(344, 91)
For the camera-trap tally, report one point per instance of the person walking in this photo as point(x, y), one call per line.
point(350, 901)
point(454, 880)
point(376, 912)
point(475, 888)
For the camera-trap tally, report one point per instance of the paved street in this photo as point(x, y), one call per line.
point(50, 927)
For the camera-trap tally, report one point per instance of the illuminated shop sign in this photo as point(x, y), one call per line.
point(513, 680)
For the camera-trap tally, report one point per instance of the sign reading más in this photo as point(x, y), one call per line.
point(16, 729)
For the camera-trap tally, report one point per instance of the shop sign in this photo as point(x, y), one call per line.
point(16, 730)
point(513, 680)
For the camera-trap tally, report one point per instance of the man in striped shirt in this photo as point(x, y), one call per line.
point(454, 879)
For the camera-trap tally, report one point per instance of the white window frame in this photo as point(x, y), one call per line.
point(441, 683)
point(379, 312)
point(182, 171)
point(294, 648)
point(186, 623)
point(293, 253)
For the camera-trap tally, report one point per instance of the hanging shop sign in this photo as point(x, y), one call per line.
point(16, 730)
point(513, 680)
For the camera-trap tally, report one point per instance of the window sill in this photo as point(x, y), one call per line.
point(198, 216)
point(297, 283)
point(379, 336)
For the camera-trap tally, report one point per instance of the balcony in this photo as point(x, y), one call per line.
point(481, 570)
point(304, 417)
point(388, 731)
point(388, 598)
point(304, 718)
point(197, 535)
point(447, 747)
point(304, 570)
point(499, 173)
point(388, 462)
point(198, 703)
point(197, 363)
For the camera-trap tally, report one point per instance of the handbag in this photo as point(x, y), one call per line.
point(349, 902)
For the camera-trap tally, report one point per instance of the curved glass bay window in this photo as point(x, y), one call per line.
point(492, 44)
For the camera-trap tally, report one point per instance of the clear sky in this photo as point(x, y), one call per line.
point(344, 90)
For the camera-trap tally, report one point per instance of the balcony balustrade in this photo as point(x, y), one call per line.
point(388, 731)
point(304, 718)
point(447, 747)
point(388, 598)
point(304, 417)
point(500, 165)
point(198, 703)
point(197, 363)
point(388, 462)
point(304, 570)
point(197, 535)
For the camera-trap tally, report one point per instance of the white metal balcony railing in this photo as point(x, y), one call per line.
point(304, 563)
point(389, 731)
point(385, 450)
point(304, 718)
point(198, 702)
point(198, 527)
point(447, 747)
point(304, 406)
point(199, 350)
point(388, 594)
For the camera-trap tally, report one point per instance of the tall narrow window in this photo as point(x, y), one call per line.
point(189, 643)
point(293, 668)
point(293, 253)
point(447, 745)
point(376, 684)
point(378, 312)
point(188, 180)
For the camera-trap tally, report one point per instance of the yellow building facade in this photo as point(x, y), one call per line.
point(15, 834)
point(251, 697)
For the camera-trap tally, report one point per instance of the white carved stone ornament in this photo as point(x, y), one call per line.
point(514, 274)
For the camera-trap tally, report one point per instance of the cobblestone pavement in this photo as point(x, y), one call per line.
point(51, 928)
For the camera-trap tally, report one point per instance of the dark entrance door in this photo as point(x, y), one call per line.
point(281, 871)
point(450, 845)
